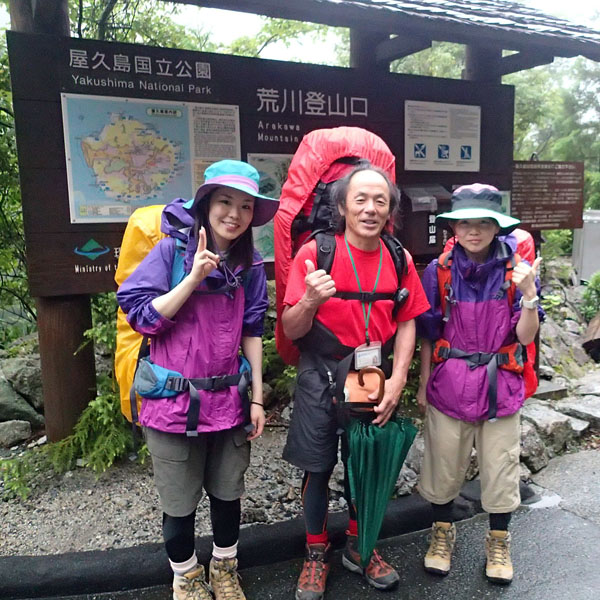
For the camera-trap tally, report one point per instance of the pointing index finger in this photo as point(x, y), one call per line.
point(201, 240)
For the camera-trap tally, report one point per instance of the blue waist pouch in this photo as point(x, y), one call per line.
point(150, 380)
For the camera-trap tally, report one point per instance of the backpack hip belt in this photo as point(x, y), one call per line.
point(212, 384)
point(154, 382)
point(510, 358)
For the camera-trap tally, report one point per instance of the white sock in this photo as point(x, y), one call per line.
point(221, 553)
point(184, 567)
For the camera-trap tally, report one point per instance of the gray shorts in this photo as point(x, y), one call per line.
point(312, 441)
point(184, 465)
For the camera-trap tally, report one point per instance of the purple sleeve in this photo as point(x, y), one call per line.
point(256, 302)
point(516, 309)
point(151, 279)
point(429, 324)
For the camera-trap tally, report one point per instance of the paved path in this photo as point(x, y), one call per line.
point(556, 551)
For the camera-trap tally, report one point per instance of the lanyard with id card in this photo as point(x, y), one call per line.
point(369, 353)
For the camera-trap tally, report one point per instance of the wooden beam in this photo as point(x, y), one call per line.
point(40, 16)
point(363, 45)
point(379, 18)
point(400, 46)
point(524, 60)
point(482, 63)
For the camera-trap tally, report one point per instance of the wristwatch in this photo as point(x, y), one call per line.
point(529, 303)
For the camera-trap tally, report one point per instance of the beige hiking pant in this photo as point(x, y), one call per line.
point(448, 444)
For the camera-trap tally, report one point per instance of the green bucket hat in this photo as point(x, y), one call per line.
point(479, 201)
point(239, 176)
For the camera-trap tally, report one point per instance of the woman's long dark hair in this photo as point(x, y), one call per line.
point(340, 190)
point(240, 251)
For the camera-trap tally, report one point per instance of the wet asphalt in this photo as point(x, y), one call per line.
point(555, 551)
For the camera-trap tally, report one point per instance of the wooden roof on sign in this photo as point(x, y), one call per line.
point(498, 23)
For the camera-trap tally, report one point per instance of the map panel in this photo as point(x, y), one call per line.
point(126, 153)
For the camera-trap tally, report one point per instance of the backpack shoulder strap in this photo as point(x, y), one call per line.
point(325, 249)
point(396, 249)
point(514, 260)
point(444, 277)
point(178, 273)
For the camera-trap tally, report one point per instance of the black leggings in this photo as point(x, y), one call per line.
point(178, 532)
point(315, 500)
point(443, 513)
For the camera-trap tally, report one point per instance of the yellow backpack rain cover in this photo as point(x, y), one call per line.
point(141, 235)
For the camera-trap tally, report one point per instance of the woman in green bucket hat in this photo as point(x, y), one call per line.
point(483, 311)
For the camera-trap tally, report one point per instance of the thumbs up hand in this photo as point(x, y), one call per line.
point(523, 277)
point(319, 285)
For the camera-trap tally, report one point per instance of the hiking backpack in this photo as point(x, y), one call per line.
point(323, 157)
point(142, 233)
point(444, 280)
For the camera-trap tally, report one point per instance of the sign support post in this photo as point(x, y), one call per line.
point(68, 378)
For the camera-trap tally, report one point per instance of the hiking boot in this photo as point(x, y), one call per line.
point(378, 573)
point(498, 567)
point(191, 586)
point(225, 580)
point(311, 583)
point(443, 537)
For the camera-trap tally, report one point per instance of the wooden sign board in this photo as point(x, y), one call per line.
point(548, 195)
point(103, 128)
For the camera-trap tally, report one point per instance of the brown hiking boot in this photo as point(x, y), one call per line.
point(378, 573)
point(313, 577)
point(498, 567)
point(191, 586)
point(225, 580)
point(443, 537)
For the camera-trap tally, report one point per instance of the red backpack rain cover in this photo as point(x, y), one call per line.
point(313, 158)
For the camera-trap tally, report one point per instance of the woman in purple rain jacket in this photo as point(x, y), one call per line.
point(470, 397)
point(200, 295)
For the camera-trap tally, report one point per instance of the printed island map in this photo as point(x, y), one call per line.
point(123, 154)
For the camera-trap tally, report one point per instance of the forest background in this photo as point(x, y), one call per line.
point(557, 117)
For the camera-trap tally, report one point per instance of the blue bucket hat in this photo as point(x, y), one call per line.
point(239, 176)
point(479, 201)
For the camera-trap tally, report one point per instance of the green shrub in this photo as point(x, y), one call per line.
point(557, 242)
point(590, 305)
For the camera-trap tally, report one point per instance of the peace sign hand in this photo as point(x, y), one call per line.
point(205, 261)
point(523, 277)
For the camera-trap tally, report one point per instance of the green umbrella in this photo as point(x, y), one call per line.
point(375, 457)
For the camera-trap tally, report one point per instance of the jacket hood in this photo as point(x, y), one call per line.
point(177, 220)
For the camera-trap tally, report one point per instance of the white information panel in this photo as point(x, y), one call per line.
point(441, 137)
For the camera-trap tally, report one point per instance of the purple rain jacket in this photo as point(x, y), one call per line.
point(203, 338)
point(478, 323)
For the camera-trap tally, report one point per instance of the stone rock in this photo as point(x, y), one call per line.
point(585, 407)
point(524, 472)
point(14, 407)
point(533, 450)
point(550, 390)
point(414, 458)
point(473, 468)
point(286, 414)
point(268, 396)
point(578, 426)
point(13, 432)
point(407, 480)
point(336, 481)
point(554, 427)
point(546, 372)
point(572, 326)
point(589, 384)
point(24, 374)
